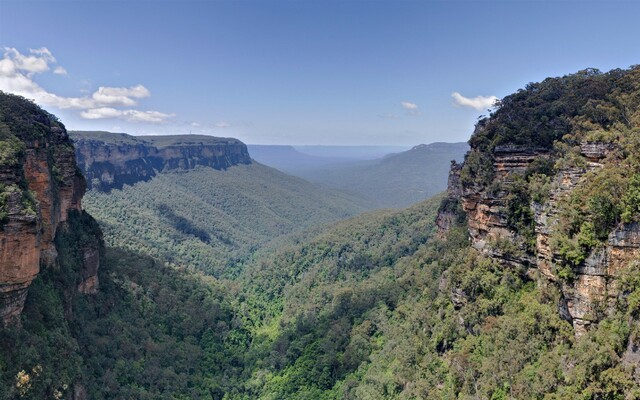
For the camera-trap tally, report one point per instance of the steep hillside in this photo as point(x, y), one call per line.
point(554, 174)
point(397, 180)
point(212, 219)
point(40, 187)
point(196, 201)
point(111, 160)
point(522, 282)
point(543, 304)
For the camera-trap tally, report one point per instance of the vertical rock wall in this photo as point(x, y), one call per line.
point(39, 184)
point(593, 290)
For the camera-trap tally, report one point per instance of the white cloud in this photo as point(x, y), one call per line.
point(114, 96)
point(478, 102)
point(195, 124)
point(154, 117)
point(35, 63)
point(409, 106)
point(16, 76)
point(223, 124)
point(389, 116)
point(101, 113)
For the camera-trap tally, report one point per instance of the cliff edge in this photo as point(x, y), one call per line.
point(550, 187)
point(111, 160)
point(40, 185)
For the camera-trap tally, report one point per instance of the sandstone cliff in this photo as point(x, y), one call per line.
point(40, 185)
point(111, 160)
point(551, 187)
point(591, 290)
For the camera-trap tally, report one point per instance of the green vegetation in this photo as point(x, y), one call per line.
point(395, 181)
point(374, 307)
point(107, 137)
point(151, 332)
point(21, 121)
point(157, 141)
point(24, 118)
point(173, 140)
point(556, 116)
point(211, 219)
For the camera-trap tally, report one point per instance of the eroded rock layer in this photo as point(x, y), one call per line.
point(592, 289)
point(39, 184)
point(111, 160)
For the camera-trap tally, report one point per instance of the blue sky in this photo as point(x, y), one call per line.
point(300, 72)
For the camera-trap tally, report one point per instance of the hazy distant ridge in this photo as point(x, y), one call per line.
point(395, 180)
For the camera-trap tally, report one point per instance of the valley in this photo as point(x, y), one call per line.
point(189, 270)
point(387, 177)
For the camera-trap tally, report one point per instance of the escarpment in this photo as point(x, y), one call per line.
point(40, 186)
point(111, 160)
point(492, 230)
point(548, 188)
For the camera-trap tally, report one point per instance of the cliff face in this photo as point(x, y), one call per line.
point(551, 186)
point(40, 185)
point(592, 289)
point(111, 160)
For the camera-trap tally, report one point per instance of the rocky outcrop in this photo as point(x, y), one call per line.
point(449, 212)
point(39, 184)
point(487, 208)
point(592, 290)
point(111, 160)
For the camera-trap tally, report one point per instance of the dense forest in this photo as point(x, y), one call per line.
point(212, 220)
point(396, 180)
point(380, 306)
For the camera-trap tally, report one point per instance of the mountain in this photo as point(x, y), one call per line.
point(527, 288)
point(350, 153)
point(111, 160)
point(520, 282)
point(196, 201)
point(288, 159)
point(304, 161)
point(397, 180)
point(41, 191)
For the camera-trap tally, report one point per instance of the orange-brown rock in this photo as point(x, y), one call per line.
point(111, 160)
point(593, 290)
point(448, 212)
point(40, 184)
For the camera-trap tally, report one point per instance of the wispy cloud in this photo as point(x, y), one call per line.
point(16, 76)
point(410, 108)
point(389, 116)
point(60, 71)
point(223, 124)
point(154, 117)
point(478, 102)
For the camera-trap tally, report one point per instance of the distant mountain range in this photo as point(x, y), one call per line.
point(196, 200)
point(297, 159)
point(388, 181)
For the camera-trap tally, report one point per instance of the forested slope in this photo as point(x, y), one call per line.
point(151, 332)
point(210, 219)
point(396, 180)
point(522, 282)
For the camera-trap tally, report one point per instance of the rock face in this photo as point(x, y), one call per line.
point(592, 290)
point(486, 208)
point(449, 212)
point(39, 184)
point(111, 160)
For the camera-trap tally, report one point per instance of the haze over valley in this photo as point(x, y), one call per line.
point(319, 200)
